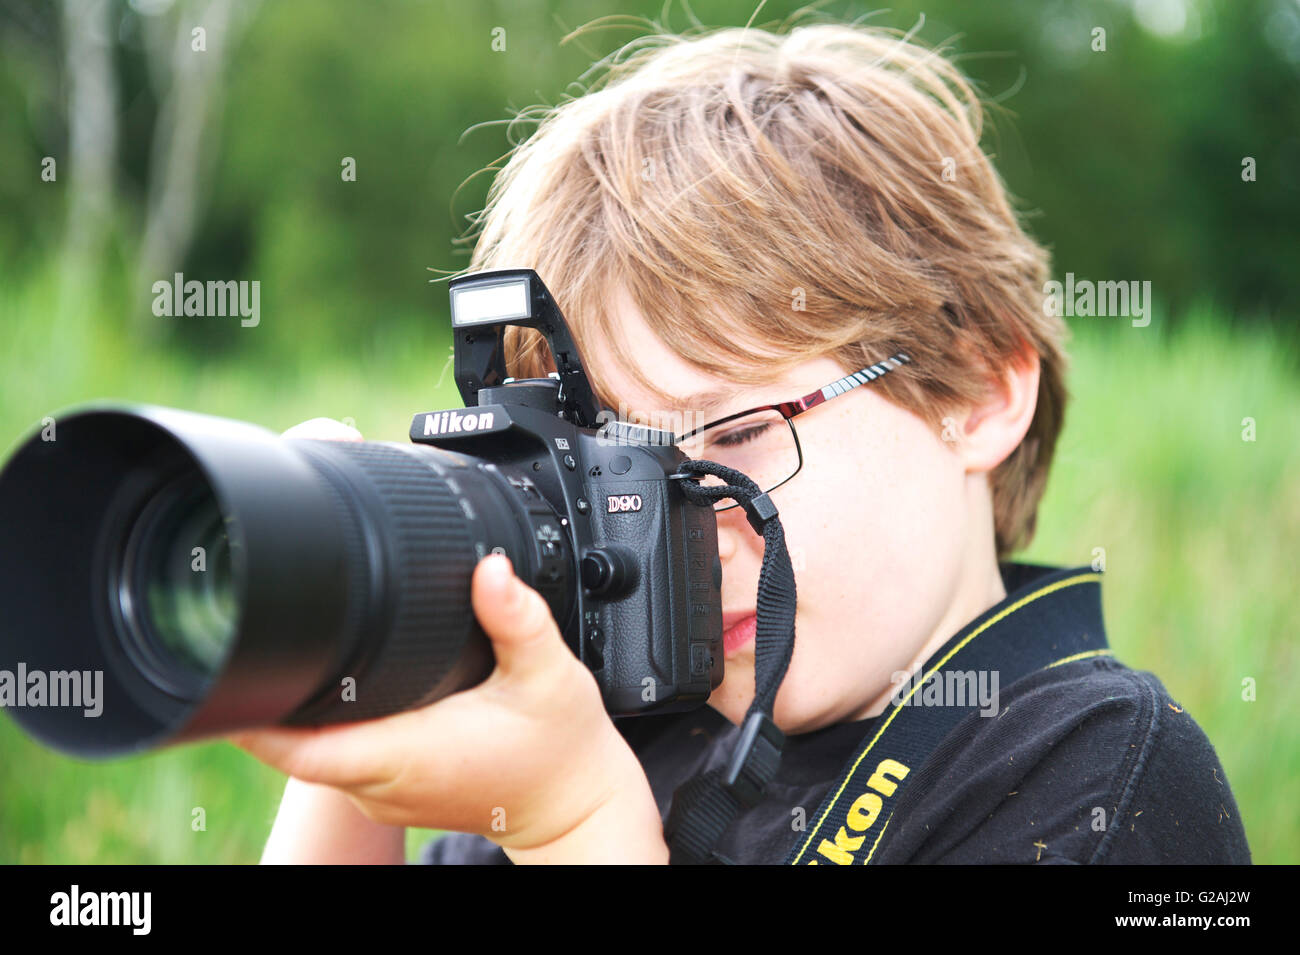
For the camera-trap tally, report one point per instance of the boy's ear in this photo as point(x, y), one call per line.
point(994, 427)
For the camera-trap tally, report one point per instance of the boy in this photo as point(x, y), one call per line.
point(737, 220)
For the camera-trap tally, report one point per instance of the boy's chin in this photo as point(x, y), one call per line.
point(736, 691)
point(735, 694)
point(792, 715)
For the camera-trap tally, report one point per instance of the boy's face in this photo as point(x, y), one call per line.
point(890, 538)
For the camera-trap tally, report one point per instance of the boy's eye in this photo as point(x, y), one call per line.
point(734, 437)
point(746, 443)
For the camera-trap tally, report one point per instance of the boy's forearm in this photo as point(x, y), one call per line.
point(317, 825)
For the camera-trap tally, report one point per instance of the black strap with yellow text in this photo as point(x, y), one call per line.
point(852, 820)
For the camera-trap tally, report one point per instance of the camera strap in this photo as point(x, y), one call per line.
point(704, 806)
point(1037, 627)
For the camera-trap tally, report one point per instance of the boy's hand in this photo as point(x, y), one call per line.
point(529, 758)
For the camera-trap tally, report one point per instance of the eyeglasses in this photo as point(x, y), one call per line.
point(762, 442)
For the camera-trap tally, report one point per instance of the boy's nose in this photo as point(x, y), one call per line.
point(726, 543)
point(733, 527)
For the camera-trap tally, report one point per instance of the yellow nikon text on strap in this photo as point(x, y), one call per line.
point(863, 814)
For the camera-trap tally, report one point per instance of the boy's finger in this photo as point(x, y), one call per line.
point(324, 429)
point(344, 756)
point(517, 620)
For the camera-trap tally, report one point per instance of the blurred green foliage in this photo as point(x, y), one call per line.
point(1128, 162)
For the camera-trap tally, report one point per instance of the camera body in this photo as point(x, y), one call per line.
point(645, 615)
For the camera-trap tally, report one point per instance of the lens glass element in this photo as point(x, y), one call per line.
point(176, 591)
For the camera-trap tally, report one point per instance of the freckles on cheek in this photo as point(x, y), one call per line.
point(916, 474)
point(837, 541)
point(869, 507)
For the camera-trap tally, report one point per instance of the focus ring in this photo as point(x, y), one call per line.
point(421, 640)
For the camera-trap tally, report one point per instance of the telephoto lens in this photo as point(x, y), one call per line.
point(218, 577)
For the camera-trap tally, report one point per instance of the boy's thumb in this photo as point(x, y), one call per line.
point(516, 618)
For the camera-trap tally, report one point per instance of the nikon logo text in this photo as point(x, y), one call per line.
point(863, 814)
point(622, 502)
point(449, 422)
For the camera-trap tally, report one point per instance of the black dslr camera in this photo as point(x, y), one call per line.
point(213, 576)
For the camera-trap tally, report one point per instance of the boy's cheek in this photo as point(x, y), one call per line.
point(840, 664)
point(872, 585)
point(874, 536)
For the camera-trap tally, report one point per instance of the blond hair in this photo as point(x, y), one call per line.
point(768, 198)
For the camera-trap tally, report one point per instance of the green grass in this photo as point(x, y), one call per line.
point(1199, 529)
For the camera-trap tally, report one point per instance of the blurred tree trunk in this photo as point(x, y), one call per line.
point(89, 30)
point(188, 83)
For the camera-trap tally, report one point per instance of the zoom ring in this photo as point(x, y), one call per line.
point(423, 642)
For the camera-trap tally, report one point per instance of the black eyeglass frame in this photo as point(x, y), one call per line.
point(791, 409)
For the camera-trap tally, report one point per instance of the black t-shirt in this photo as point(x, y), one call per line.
point(1086, 762)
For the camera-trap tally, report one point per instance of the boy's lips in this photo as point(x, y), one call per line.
point(739, 631)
